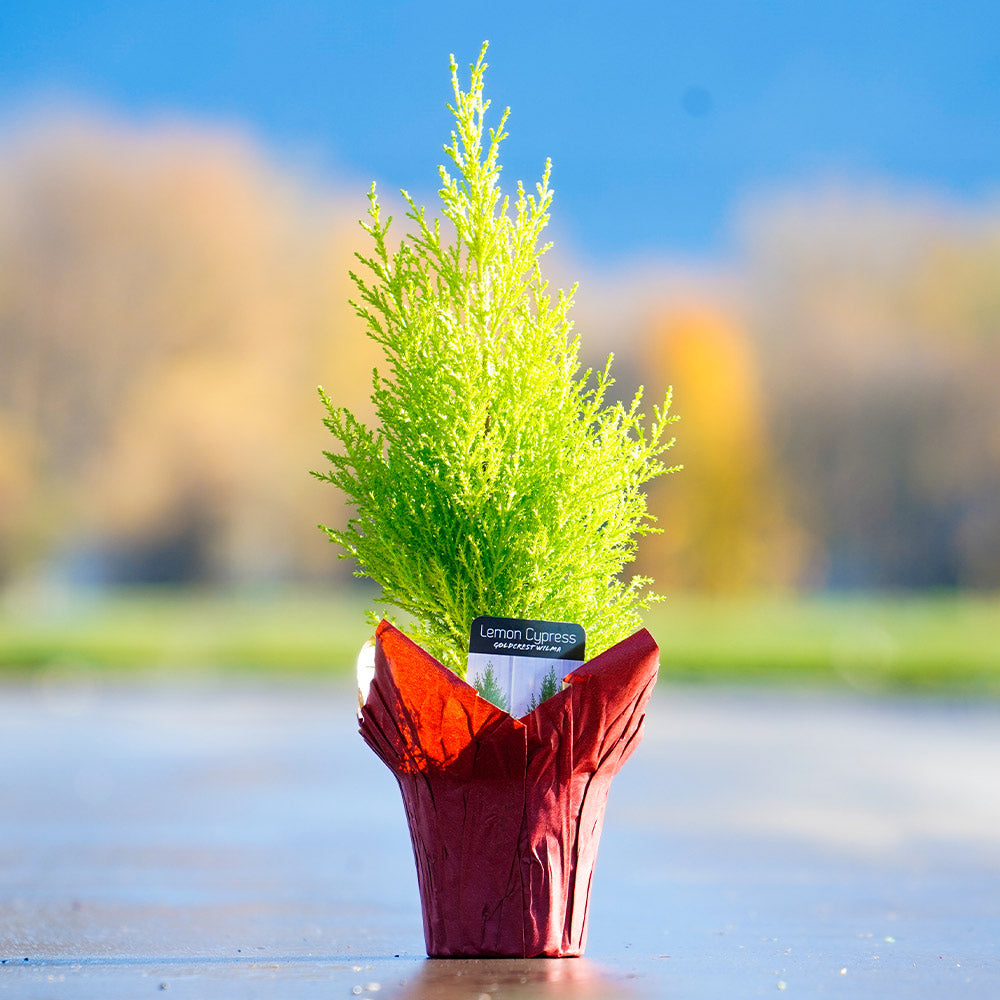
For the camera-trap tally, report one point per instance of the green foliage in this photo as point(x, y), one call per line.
point(500, 479)
point(489, 688)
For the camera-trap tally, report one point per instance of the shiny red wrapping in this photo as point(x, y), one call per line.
point(505, 814)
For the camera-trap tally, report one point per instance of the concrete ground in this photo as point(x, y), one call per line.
point(239, 840)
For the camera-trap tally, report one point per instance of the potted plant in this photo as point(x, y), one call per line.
point(500, 481)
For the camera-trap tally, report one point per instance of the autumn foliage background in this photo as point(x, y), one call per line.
point(170, 296)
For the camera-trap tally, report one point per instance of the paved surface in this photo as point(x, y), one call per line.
point(241, 841)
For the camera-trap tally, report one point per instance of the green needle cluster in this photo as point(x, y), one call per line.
point(500, 480)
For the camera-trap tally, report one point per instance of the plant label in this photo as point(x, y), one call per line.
point(516, 663)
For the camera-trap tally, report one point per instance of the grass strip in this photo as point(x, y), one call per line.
point(938, 643)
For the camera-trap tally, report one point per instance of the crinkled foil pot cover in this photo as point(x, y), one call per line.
point(505, 814)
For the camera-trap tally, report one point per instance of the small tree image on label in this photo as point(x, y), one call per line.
point(489, 688)
point(550, 685)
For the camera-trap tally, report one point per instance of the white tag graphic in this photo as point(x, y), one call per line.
point(516, 663)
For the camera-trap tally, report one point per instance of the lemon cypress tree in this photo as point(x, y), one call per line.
point(500, 479)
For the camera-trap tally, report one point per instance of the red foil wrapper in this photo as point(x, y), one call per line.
point(505, 814)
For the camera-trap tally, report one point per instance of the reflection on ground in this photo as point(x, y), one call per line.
point(513, 979)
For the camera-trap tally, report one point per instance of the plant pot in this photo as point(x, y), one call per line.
point(505, 814)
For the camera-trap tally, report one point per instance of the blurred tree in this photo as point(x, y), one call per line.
point(723, 517)
point(17, 494)
point(880, 318)
point(168, 302)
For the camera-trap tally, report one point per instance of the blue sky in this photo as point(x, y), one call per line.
point(660, 117)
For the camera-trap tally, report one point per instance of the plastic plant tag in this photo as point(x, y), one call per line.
point(516, 663)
